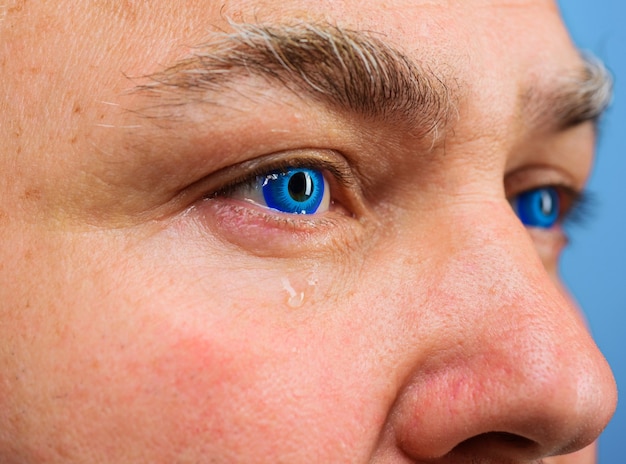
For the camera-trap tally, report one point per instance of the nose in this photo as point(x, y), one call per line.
point(512, 374)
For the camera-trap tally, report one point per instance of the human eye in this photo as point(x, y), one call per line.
point(547, 206)
point(538, 207)
point(294, 183)
point(290, 190)
point(300, 200)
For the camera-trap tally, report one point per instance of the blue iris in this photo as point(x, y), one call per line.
point(295, 191)
point(538, 207)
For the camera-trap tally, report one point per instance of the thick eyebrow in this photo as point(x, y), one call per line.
point(572, 99)
point(345, 70)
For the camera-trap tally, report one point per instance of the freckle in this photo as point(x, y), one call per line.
point(32, 194)
point(73, 140)
point(19, 6)
point(77, 109)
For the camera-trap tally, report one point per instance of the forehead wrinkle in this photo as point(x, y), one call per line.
point(344, 69)
point(573, 98)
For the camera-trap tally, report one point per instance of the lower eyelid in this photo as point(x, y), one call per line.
point(254, 229)
point(549, 244)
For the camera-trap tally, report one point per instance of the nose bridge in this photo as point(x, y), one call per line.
point(516, 367)
point(491, 267)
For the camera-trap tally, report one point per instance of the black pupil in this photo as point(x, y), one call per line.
point(298, 186)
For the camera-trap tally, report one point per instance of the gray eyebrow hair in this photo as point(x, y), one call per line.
point(343, 69)
point(577, 98)
point(591, 95)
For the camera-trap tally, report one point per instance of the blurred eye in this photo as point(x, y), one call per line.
point(538, 207)
point(291, 191)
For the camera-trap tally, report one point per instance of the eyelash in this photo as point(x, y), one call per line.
point(579, 206)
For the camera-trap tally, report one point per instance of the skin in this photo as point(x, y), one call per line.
point(428, 325)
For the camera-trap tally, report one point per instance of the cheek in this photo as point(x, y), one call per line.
point(168, 356)
point(202, 391)
point(238, 387)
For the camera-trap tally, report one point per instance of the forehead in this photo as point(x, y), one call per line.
point(491, 42)
point(467, 35)
point(490, 49)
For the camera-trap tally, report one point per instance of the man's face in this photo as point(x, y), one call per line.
point(289, 232)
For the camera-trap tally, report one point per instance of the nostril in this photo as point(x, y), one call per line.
point(507, 437)
point(497, 444)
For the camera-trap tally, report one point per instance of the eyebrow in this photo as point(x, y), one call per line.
point(580, 96)
point(357, 73)
point(346, 70)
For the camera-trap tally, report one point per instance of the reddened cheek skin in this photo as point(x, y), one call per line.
point(248, 392)
point(198, 383)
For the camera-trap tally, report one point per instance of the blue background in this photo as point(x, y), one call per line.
point(594, 267)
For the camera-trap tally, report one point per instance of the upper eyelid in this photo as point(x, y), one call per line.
point(233, 176)
point(536, 176)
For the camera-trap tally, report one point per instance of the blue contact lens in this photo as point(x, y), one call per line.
point(538, 207)
point(295, 191)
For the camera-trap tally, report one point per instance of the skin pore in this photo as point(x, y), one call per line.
point(150, 312)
